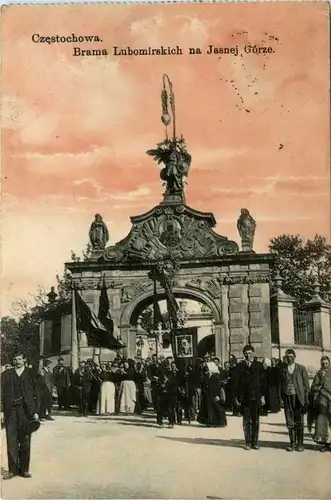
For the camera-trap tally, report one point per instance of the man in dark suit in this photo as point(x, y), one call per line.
point(47, 390)
point(19, 406)
point(83, 381)
point(295, 391)
point(249, 394)
point(62, 382)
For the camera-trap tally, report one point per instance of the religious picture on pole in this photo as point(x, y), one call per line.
point(184, 346)
point(185, 342)
point(165, 249)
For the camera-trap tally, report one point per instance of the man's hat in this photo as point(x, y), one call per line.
point(31, 426)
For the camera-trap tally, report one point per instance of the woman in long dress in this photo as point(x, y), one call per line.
point(212, 409)
point(106, 401)
point(273, 385)
point(320, 397)
point(142, 384)
point(128, 391)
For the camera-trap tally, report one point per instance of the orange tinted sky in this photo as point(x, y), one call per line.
point(75, 130)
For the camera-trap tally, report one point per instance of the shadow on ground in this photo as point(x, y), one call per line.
point(274, 423)
point(233, 443)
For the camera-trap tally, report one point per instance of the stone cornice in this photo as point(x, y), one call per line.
point(239, 258)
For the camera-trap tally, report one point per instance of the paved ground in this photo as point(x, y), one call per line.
point(129, 457)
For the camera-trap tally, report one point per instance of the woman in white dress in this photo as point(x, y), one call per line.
point(128, 391)
point(106, 401)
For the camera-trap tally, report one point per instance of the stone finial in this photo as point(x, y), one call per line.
point(246, 226)
point(52, 296)
point(316, 287)
point(278, 280)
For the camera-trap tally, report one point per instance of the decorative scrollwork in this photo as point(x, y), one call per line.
point(114, 253)
point(169, 232)
point(86, 284)
point(213, 288)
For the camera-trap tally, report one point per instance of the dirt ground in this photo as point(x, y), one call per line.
point(130, 457)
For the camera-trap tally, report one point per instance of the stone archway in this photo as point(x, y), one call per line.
point(132, 309)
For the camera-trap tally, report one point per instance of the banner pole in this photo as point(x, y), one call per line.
point(74, 334)
point(154, 321)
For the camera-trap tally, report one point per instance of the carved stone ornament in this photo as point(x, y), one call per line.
point(142, 287)
point(171, 232)
point(244, 279)
point(213, 288)
point(207, 285)
point(126, 294)
point(86, 284)
point(194, 283)
point(129, 291)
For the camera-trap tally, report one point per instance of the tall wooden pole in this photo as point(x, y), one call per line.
point(155, 322)
point(74, 334)
point(41, 342)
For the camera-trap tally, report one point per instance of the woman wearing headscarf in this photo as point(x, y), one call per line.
point(128, 392)
point(106, 400)
point(147, 384)
point(212, 409)
point(320, 401)
point(140, 378)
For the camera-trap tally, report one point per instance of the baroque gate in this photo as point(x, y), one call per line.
point(203, 265)
point(210, 269)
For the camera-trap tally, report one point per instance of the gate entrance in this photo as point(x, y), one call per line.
point(179, 244)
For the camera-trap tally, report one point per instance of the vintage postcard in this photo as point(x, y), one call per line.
point(166, 253)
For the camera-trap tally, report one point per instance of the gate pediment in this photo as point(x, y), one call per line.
point(166, 231)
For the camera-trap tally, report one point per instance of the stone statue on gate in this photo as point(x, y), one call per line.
point(98, 234)
point(176, 161)
point(246, 227)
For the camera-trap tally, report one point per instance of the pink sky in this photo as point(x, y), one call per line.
point(75, 129)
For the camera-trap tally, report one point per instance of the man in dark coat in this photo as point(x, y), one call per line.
point(172, 385)
point(62, 382)
point(83, 380)
point(47, 379)
point(295, 393)
point(249, 394)
point(19, 401)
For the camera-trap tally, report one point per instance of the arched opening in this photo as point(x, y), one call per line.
point(198, 310)
point(133, 309)
point(206, 346)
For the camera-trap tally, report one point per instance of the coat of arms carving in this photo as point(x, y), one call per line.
point(179, 234)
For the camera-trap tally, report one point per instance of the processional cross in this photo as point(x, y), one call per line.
point(158, 334)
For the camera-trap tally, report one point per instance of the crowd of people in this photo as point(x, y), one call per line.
point(200, 390)
point(129, 387)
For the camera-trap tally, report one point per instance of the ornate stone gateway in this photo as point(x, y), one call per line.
point(180, 240)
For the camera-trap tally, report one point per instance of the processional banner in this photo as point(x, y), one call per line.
point(184, 345)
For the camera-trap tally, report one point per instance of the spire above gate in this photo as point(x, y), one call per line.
point(172, 153)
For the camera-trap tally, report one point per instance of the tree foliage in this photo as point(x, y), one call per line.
point(20, 334)
point(147, 319)
point(23, 333)
point(301, 264)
